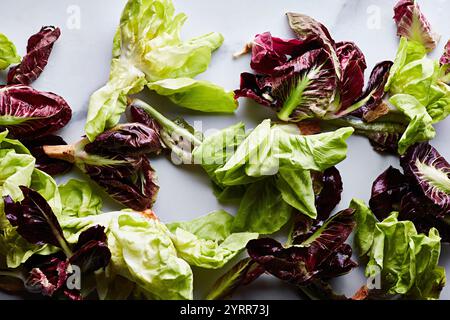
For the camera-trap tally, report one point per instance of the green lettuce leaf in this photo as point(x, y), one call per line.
point(420, 128)
point(147, 49)
point(269, 148)
point(207, 242)
point(296, 189)
point(313, 152)
point(405, 261)
point(156, 257)
point(79, 200)
point(365, 221)
point(8, 53)
point(262, 209)
point(252, 151)
point(142, 252)
point(107, 104)
point(417, 90)
point(195, 94)
point(268, 170)
point(218, 148)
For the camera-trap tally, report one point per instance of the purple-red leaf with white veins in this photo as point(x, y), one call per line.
point(430, 172)
point(387, 193)
point(353, 65)
point(27, 112)
point(445, 59)
point(34, 219)
point(33, 63)
point(412, 24)
point(270, 52)
point(128, 138)
point(323, 255)
point(373, 107)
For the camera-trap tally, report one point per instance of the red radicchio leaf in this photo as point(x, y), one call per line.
point(315, 258)
point(445, 59)
point(412, 24)
point(270, 52)
point(135, 114)
point(339, 263)
point(385, 142)
point(430, 172)
point(374, 92)
point(26, 112)
point(48, 277)
point(39, 49)
point(387, 192)
point(36, 222)
point(309, 30)
point(132, 183)
point(44, 162)
point(353, 65)
point(130, 138)
point(302, 88)
point(424, 214)
point(91, 251)
point(394, 191)
point(34, 219)
point(329, 190)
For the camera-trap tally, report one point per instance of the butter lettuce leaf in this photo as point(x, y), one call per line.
point(195, 94)
point(269, 148)
point(8, 53)
point(269, 170)
point(296, 189)
point(142, 252)
point(157, 257)
point(405, 261)
point(207, 242)
point(262, 209)
point(417, 91)
point(420, 128)
point(147, 49)
point(79, 200)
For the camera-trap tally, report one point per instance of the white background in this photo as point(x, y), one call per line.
point(80, 64)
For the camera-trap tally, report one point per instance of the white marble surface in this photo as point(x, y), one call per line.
point(80, 64)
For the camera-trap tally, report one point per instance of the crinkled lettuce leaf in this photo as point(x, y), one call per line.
point(218, 148)
point(147, 48)
point(406, 261)
point(296, 187)
point(157, 257)
point(418, 92)
point(262, 209)
point(79, 200)
point(8, 53)
point(268, 170)
point(269, 148)
point(197, 95)
point(207, 242)
point(420, 128)
point(142, 252)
